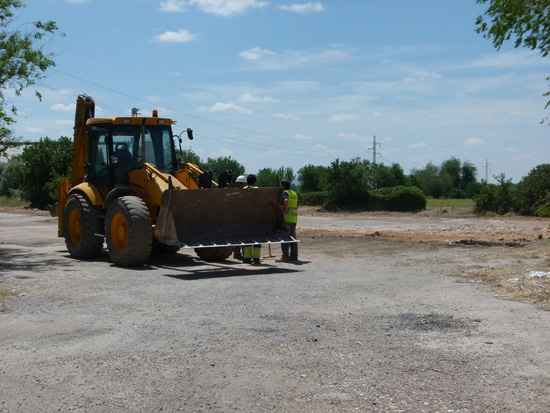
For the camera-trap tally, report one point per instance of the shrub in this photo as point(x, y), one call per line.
point(404, 199)
point(312, 198)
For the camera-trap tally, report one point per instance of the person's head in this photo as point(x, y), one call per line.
point(251, 179)
point(241, 181)
point(285, 183)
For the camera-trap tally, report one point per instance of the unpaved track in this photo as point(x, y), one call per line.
point(360, 324)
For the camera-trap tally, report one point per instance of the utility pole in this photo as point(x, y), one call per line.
point(374, 153)
point(487, 170)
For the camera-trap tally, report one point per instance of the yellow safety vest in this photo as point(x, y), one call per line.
point(292, 215)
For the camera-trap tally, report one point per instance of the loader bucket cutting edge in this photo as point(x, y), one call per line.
point(194, 218)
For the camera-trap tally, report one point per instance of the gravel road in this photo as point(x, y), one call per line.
point(359, 324)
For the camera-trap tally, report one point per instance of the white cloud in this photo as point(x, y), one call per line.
point(255, 53)
point(60, 107)
point(172, 6)
point(350, 117)
point(31, 129)
point(308, 7)
point(417, 145)
point(285, 116)
point(377, 115)
point(269, 60)
point(502, 60)
point(246, 98)
point(77, 1)
point(227, 8)
point(512, 150)
point(181, 36)
point(227, 108)
point(474, 142)
point(64, 122)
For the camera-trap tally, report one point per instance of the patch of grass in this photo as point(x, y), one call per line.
point(512, 280)
point(447, 203)
point(7, 202)
point(450, 206)
point(6, 292)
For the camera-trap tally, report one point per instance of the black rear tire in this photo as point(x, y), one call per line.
point(215, 253)
point(128, 231)
point(160, 248)
point(81, 222)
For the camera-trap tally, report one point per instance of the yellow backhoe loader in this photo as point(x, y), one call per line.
point(130, 189)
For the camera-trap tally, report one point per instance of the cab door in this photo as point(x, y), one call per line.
point(99, 159)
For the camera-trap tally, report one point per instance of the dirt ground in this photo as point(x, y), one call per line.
point(391, 313)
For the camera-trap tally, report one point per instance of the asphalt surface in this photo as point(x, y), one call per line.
point(359, 324)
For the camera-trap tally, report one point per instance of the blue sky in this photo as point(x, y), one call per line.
point(291, 83)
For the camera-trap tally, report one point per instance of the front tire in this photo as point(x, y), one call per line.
point(81, 222)
point(215, 253)
point(128, 231)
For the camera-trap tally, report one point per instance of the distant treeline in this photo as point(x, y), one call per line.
point(357, 183)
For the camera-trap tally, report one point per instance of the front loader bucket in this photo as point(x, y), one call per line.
point(217, 217)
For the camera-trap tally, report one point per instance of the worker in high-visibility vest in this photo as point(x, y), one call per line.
point(289, 204)
point(240, 182)
point(252, 253)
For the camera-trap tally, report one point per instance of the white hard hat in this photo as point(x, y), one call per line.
point(241, 179)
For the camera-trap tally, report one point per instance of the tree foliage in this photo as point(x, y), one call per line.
point(224, 163)
point(532, 191)
point(494, 198)
point(190, 156)
point(452, 179)
point(44, 162)
point(528, 21)
point(267, 177)
point(390, 176)
point(23, 60)
point(310, 178)
point(346, 183)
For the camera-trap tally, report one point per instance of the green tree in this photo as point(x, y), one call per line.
point(285, 172)
point(266, 177)
point(390, 176)
point(44, 162)
point(528, 21)
point(23, 60)
point(494, 198)
point(346, 183)
point(430, 181)
point(10, 172)
point(310, 178)
point(451, 167)
point(468, 179)
point(532, 189)
point(191, 157)
point(224, 163)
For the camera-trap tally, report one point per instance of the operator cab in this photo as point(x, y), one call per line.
point(116, 148)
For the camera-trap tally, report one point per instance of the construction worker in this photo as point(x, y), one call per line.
point(241, 183)
point(289, 204)
point(252, 253)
